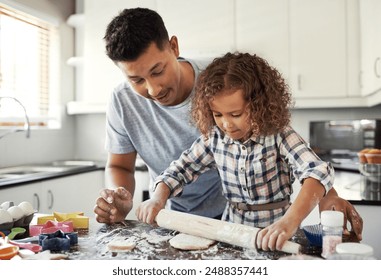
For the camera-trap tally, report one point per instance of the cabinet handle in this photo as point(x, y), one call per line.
point(50, 194)
point(376, 64)
point(299, 82)
point(38, 201)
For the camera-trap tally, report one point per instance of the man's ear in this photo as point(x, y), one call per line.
point(174, 45)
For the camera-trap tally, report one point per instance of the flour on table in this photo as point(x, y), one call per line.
point(184, 241)
point(153, 237)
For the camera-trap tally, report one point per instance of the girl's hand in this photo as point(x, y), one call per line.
point(273, 237)
point(148, 210)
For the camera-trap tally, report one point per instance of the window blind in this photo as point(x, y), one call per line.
point(26, 49)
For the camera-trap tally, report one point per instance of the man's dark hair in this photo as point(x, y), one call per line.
point(130, 33)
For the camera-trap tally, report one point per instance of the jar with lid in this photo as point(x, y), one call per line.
point(332, 222)
point(353, 251)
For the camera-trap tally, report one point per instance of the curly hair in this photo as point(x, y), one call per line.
point(268, 96)
point(131, 32)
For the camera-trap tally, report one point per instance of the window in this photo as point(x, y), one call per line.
point(28, 70)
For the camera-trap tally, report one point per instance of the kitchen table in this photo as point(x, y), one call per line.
point(152, 243)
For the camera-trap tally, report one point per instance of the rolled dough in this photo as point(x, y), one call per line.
point(120, 245)
point(184, 241)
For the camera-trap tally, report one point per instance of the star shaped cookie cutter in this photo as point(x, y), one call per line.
point(58, 241)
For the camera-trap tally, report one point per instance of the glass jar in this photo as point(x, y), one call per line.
point(332, 222)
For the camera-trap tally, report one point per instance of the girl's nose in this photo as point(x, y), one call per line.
point(226, 124)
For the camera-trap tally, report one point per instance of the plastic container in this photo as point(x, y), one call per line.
point(373, 158)
point(371, 172)
point(361, 155)
point(355, 249)
point(332, 222)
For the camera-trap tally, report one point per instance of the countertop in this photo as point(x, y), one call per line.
point(356, 188)
point(81, 167)
point(152, 244)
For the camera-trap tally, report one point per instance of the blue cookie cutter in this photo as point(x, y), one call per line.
point(57, 241)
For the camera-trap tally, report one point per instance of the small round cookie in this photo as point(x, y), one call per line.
point(120, 245)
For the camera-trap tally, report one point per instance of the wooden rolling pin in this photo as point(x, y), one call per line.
point(231, 233)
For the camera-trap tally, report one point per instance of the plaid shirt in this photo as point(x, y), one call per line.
point(260, 170)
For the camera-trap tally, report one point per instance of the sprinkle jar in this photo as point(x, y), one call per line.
point(332, 222)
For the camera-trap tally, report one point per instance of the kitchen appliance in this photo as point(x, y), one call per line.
point(339, 141)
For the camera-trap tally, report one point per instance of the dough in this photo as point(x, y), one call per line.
point(184, 241)
point(121, 245)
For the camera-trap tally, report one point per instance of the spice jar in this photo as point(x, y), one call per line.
point(332, 222)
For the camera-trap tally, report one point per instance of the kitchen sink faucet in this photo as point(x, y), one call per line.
point(26, 124)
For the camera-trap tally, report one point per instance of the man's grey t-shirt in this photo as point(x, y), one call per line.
point(159, 134)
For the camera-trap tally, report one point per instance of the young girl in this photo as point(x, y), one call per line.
point(241, 106)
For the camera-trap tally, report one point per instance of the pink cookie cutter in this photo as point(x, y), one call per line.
point(51, 227)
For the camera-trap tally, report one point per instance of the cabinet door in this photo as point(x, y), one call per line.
point(203, 28)
point(28, 192)
point(318, 48)
point(72, 193)
point(370, 27)
point(262, 28)
point(100, 75)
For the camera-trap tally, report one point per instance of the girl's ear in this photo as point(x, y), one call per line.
point(174, 46)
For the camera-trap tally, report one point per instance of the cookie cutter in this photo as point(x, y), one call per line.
point(77, 218)
point(58, 241)
point(51, 227)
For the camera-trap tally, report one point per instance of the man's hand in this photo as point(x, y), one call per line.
point(333, 202)
point(113, 205)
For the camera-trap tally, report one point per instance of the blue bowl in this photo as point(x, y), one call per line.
point(314, 234)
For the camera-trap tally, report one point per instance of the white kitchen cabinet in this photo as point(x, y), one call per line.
point(72, 193)
point(315, 44)
point(28, 192)
point(203, 28)
point(75, 193)
point(100, 74)
point(262, 28)
point(318, 48)
point(370, 27)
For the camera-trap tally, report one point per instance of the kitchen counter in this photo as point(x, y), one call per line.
point(25, 174)
point(152, 244)
point(355, 188)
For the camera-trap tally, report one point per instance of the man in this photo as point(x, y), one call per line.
point(148, 115)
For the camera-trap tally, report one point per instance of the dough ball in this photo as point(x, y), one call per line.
point(184, 241)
